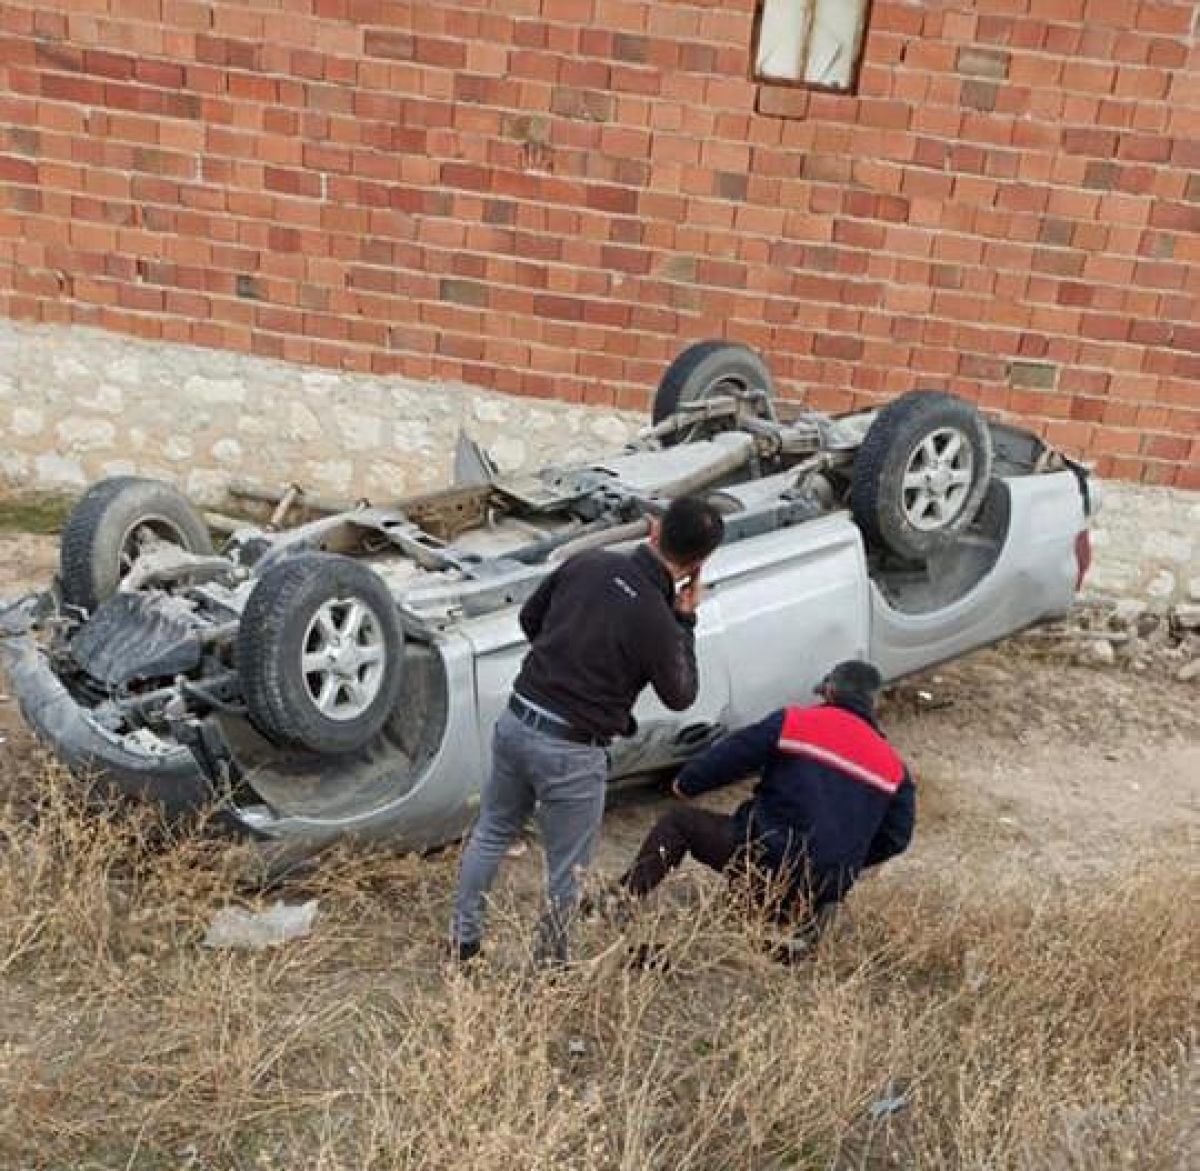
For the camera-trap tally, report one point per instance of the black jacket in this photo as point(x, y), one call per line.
point(602, 626)
point(834, 797)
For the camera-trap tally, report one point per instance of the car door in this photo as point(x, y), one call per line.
point(791, 604)
point(662, 735)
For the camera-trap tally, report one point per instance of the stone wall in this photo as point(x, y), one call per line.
point(1147, 545)
point(77, 404)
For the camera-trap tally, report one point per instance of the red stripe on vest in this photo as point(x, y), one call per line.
point(843, 741)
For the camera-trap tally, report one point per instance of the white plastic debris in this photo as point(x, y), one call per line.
point(238, 927)
point(891, 1104)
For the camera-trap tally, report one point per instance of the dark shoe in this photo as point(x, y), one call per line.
point(650, 957)
point(463, 954)
point(801, 945)
point(613, 906)
point(797, 950)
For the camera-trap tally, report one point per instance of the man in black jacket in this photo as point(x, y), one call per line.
point(834, 799)
point(601, 627)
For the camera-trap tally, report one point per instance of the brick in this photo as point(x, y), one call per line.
point(1075, 294)
point(858, 234)
point(588, 105)
point(1175, 217)
point(977, 62)
point(629, 47)
point(1101, 176)
point(1038, 375)
point(1167, 447)
point(1100, 143)
point(830, 345)
point(1089, 76)
point(18, 170)
point(979, 95)
point(777, 101)
point(72, 89)
point(443, 54)
point(728, 185)
point(697, 58)
point(390, 44)
point(1167, 54)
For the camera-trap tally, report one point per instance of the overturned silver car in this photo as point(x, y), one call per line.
point(342, 676)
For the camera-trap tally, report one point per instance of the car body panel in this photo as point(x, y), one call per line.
point(792, 604)
point(140, 769)
point(1032, 580)
point(500, 647)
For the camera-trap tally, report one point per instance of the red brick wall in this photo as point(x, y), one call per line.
point(549, 196)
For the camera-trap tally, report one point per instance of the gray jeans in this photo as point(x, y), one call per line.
point(564, 784)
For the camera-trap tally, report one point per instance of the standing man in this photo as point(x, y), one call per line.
point(602, 626)
point(834, 799)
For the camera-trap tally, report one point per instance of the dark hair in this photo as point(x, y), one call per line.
point(854, 679)
point(691, 529)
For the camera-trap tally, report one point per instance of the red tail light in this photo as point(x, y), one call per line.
point(1083, 557)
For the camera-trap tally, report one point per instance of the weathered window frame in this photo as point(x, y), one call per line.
point(803, 83)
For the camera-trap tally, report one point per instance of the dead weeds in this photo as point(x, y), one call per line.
point(998, 1019)
point(42, 513)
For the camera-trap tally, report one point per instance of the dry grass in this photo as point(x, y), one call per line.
point(33, 512)
point(1025, 1025)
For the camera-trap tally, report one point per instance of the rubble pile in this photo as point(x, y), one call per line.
point(1129, 634)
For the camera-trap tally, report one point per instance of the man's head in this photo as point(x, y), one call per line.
point(688, 532)
point(852, 681)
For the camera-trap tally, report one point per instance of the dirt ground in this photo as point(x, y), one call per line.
point(1071, 767)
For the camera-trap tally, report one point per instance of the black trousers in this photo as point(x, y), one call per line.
point(714, 840)
point(711, 838)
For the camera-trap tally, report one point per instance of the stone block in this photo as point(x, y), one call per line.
point(56, 471)
point(359, 432)
point(81, 433)
point(26, 422)
point(227, 452)
point(302, 423)
point(215, 391)
point(178, 448)
point(14, 469)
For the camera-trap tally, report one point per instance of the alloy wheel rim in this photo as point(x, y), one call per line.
point(343, 658)
point(937, 479)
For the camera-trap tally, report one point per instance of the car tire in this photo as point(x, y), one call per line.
point(706, 369)
point(320, 653)
point(921, 473)
point(100, 537)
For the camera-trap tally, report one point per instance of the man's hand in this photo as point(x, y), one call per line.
point(688, 596)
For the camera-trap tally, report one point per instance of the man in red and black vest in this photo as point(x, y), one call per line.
point(834, 798)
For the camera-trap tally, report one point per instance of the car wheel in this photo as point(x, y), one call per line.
point(112, 523)
point(707, 370)
point(320, 653)
point(921, 473)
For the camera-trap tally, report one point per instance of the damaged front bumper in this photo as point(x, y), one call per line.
point(135, 765)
